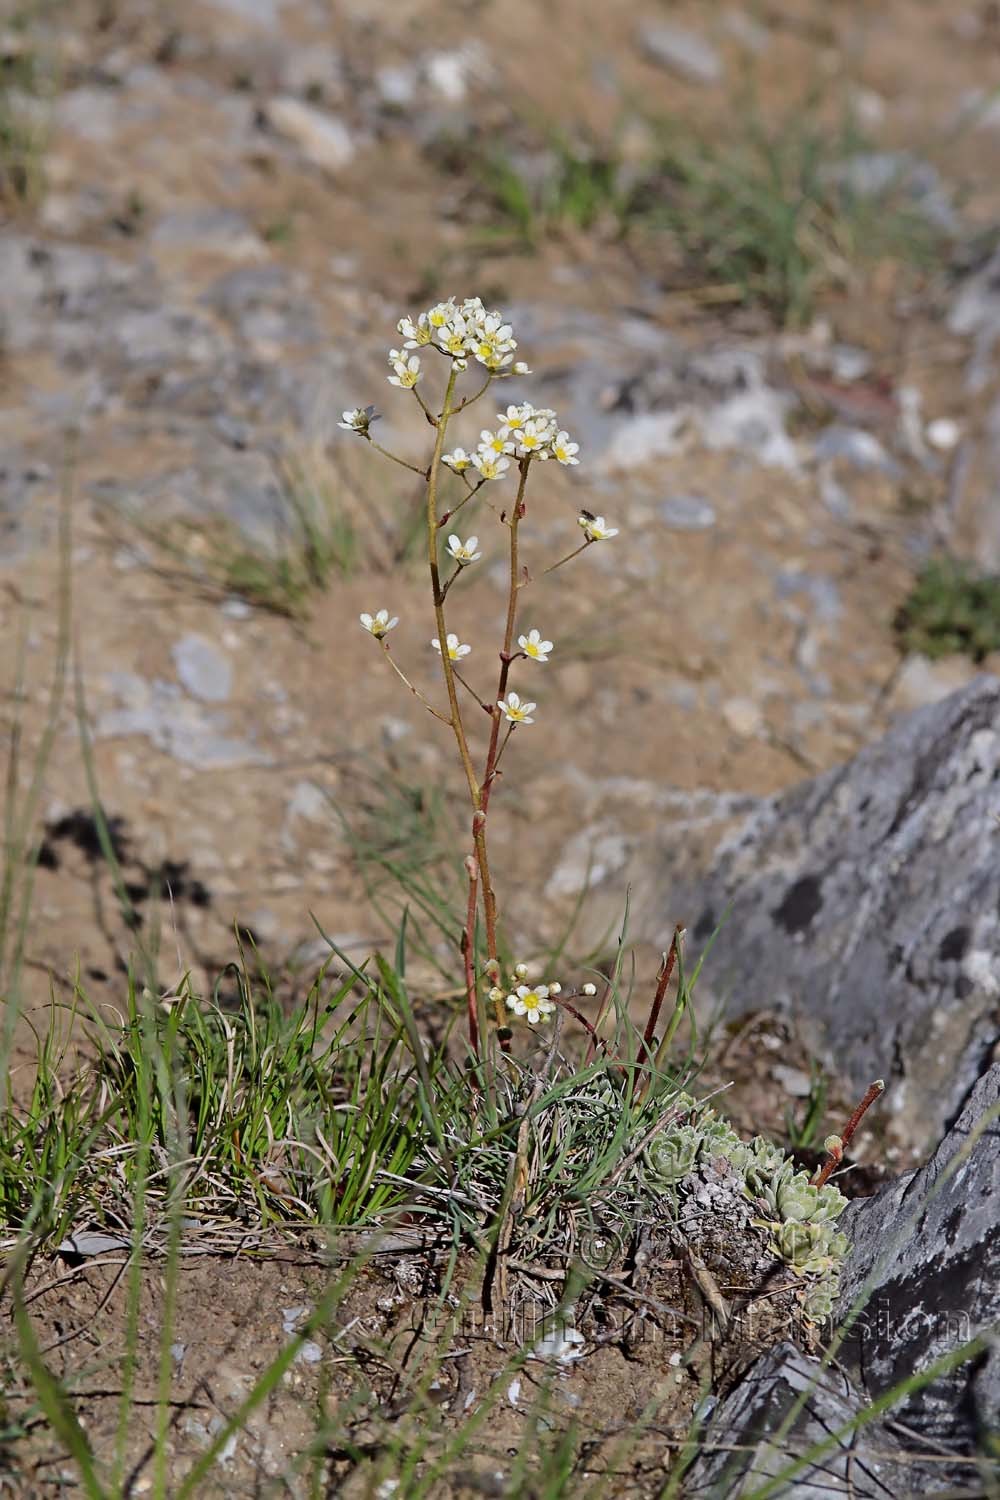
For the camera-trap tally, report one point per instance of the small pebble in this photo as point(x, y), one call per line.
point(943, 434)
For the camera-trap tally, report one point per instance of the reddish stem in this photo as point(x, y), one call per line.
point(663, 979)
point(836, 1153)
point(469, 950)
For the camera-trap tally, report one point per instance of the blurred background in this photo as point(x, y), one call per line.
point(750, 253)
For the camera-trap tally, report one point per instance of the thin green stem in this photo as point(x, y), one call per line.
point(503, 746)
point(471, 691)
point(432, 419)
point(479, 823)
point(415, 691)
point(569, 556)
point(403, 463)
point(432, 558)
point(450, 515)
point(468, 400)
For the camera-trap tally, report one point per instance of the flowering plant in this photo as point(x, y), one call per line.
point(462, 335)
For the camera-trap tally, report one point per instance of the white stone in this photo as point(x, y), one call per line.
point(944, 434)
point(743, 716)
point(322, 138)
point(681, 51)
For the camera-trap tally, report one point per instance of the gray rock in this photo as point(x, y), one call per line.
point(239, 487)
point(159, 712)
point(737, 1458)
point(266, 306)
point(222, 230)
point(975, 313)
point(397, 86)
point(90, 114)
point(750, 34)
point(323, 139)
point(687, 513)
point(866, 902)
point(24, 523)
point(856, 447)
point(927, 1250)
point(873, 174)
point(643, 438)
point(202, 669)
point(752, 421)
point(822, 591)
point(316, 68)
point(451, 73)
point(680, 51)
point(264, 13)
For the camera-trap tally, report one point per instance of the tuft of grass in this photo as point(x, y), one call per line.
point(805, 1130)
point(565, 186)
point(404, 839)
point(319, 540)
point(251, 1114)
point(26, 87)
point(771, 213)
point(763, 211)
point(951, 609)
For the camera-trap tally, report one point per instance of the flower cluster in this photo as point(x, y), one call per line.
point(523, 431)
point(464, 331)
point(528, 1000)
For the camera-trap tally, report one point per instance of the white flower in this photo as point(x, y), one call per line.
point(380, 624)
point(459, 460)
point(416, 334)
point(455, 650)
point(530, 428)
point(495, 994)
point(555, 988)
point(520, 368)
point(588, 989)
point(564, 450)
point(494, 442)
point(532, 1003)
point(464, 552)
point(514, 417)
point(516, 711)
point(453, 337)
point(359, 420)
point(407, 368)
point(595, 529)
point(520, 971)
point(489, 466)
point(531, 438)
point(438, 315)
point(532, 645)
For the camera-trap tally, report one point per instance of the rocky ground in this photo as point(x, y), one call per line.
point(226, 207)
